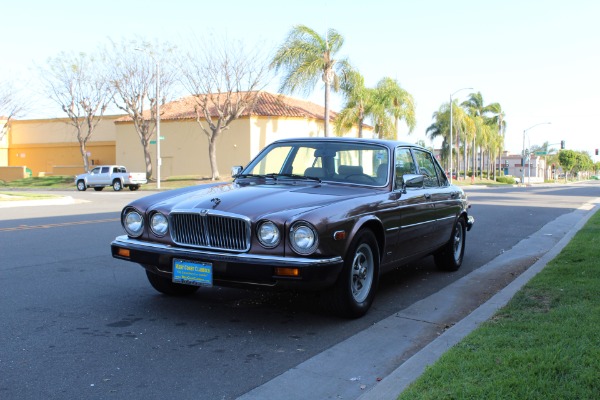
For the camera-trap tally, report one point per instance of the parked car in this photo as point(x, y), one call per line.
point(325, 214)
point(110, 175)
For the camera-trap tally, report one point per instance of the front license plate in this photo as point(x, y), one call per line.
point(192, 273)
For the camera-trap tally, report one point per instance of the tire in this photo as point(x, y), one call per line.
point(166, 286)
point(133, 188)
point(98, 188)
point(450, 257)
point(354, 291)
point(81, 186)
point(117, 186)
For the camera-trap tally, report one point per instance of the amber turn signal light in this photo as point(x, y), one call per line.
point(124, 252)
point(287, 271)
point(339, 235)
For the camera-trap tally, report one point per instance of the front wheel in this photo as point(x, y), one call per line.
point(355, 288)
point(450, 257)
point(117, 185)
point(168, 287)
point(81, 186)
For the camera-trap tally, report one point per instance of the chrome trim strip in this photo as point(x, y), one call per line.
point(126, 242)
point(420, 223)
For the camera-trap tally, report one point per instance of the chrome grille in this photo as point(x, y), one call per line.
point(210, 230)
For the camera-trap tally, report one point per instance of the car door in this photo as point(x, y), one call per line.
point(414, 207)
point(445, 202)
point(94, 175)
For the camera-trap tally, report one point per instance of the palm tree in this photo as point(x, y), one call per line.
point(385, 105)
point(477, 110)
point(441, 128)
point(499, 121)
point(358, 103)
point(398, 103)
point(307, 57)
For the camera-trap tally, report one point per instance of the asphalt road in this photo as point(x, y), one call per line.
point(76, 323)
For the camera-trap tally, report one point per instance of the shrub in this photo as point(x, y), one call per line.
point(506, 179)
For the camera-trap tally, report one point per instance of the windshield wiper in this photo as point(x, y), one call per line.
point(295, 176)
point(255, 176)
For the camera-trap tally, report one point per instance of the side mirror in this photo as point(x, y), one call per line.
point(413, 181)
point(235, 171)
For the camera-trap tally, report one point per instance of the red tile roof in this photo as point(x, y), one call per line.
point(267, 105)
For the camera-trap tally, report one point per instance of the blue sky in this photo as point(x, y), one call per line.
point(539, 59)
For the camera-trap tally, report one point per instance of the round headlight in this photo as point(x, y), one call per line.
point(303, 238)
point(133, 223)
point(268, 234)
point(159, 224)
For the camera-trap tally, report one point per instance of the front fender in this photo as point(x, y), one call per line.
point(372, 223)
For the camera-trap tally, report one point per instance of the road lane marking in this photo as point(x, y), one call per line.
point(62, 224)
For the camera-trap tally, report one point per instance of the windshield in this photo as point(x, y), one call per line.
point(359, 163)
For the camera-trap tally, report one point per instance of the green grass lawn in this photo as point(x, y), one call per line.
point(545, 344)
point(59, 182)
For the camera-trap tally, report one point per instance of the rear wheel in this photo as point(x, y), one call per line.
point(450, 257)
point(81, 186)
point(355, 288)
point(168, 287)
point(117, 185)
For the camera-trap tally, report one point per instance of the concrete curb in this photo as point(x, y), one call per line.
point(391, 386)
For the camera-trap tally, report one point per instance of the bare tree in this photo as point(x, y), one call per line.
point(225, 79)
point(133, 73)
point(76, 82)
point(11, 106)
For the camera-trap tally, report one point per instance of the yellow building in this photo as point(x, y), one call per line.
point(3, 142)
point(49, 146)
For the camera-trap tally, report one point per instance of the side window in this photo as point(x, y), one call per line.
point(403, 164)
point(96, 170)
point(427, 168)
point(105, 170)
point(441, 175)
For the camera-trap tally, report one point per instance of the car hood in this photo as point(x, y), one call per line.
point(259, 200)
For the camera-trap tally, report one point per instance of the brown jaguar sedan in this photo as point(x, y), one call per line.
point(325, 214)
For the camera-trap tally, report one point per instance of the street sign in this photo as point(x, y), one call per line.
point(154, 141)
point(541, 153)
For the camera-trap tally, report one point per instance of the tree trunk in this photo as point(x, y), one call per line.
point(86, 161)
point(466, 158)
point(147, 159)
point(326, 116)
point(474, 159)
point(481, 153)
point(212, 157)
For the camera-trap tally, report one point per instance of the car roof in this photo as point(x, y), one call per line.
point(382, 142)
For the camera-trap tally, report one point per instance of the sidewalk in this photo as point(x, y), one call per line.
point(63, 200)
point(379, 362)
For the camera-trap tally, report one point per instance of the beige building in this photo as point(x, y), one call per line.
point(50, 146)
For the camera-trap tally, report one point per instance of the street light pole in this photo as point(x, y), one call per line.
point(524, 158)
point(451, 166)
